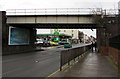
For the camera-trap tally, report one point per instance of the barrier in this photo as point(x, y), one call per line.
point(54, 11)
point(62, 11)
point(66, 56)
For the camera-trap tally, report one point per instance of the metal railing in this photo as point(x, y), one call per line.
point(71, 54)
point(111, 11)
point(62, 11)
point(54, 11)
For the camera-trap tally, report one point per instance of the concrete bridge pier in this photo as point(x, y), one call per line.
point(8, 48)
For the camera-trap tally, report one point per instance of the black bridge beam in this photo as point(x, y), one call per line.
point(61, 26)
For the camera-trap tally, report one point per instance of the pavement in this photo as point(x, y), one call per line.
point(91, 65)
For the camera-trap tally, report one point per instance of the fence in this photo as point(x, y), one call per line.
point(61, 11)
point(54, 11)
point(71, 54)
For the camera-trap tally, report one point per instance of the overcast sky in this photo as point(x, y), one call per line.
point(36, 4)
point(89, 32)
point(27, 4)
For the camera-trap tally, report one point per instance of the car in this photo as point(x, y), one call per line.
point(67, 45)
point(62, 42)
point(53, 43)
point(39, 42)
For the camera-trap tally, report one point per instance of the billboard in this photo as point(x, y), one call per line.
point(18, 36)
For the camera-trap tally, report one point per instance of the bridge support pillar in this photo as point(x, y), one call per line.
point(102, 41)
point(8, 48)
point(2, 24)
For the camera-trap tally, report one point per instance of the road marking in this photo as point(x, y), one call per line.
point(66, 66)
point(63, 68)
point(54, 73)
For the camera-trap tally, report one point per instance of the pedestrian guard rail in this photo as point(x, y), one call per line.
point(70, 54)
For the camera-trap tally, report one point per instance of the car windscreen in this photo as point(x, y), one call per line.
point(67, 43)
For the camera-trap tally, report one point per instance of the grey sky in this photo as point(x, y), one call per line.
point(25, 4)
point(89, 32)
point(33, 4)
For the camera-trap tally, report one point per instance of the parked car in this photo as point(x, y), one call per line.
point(39, 42)
point(53, 43)
point(62, 42)
point(67, 45)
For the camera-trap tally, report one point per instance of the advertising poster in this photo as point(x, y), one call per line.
point(18, 36)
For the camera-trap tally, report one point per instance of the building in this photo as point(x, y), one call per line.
point(51, 36)
point(86, 38)
point(73, 32)
point(81, 36)
point(119, 6)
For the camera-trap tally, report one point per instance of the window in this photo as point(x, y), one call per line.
point(64, 30)
point(59, 30)
point(72, 35)
point(72, 30)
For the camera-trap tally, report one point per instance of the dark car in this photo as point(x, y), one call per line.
point(67, 45)
point(62, 42)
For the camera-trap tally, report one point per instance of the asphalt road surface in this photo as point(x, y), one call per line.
point(33, 64)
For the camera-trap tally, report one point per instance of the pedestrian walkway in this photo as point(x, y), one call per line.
point(92, 65)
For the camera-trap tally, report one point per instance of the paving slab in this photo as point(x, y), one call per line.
point(92, 65)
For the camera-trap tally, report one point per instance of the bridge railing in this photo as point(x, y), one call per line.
point(54, 11)
point(66, 56)
point(62, 11)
